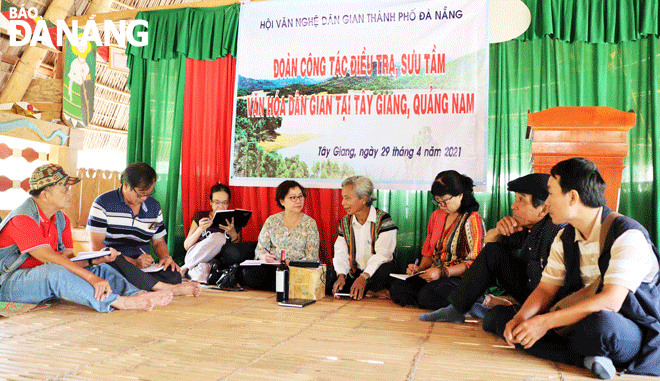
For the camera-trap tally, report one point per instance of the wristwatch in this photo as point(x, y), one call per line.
point(366, 277)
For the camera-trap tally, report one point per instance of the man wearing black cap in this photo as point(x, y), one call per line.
point(529, 230)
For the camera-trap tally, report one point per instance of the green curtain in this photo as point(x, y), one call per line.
point(156, 82)
point(594, 21)
point(580, 53)
point(154, 133)
point(575, 53)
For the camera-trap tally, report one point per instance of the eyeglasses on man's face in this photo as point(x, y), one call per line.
point(438, 201)
point(218, 202)
point(60, 188)
point(141, 194)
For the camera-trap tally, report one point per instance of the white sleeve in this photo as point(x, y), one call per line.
point(384, 246)
point(341, 262)
point(632, 261)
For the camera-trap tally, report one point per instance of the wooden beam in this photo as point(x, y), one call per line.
point(67, 158)
point(13, 60)
point(98, 6)
point(32, 57)
point(39, 44)
point(123, 5)
point(130, 14)
point(45, 70)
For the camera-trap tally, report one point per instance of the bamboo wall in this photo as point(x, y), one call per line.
point(93, 183)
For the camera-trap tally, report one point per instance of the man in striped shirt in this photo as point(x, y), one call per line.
point(618, 324)
point(128, 219)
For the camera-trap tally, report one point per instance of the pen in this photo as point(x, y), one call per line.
point(415, 266)
point(143, 252)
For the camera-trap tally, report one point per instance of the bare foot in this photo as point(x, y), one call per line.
point(383, 294)
point(136, 302)
point(186, 289)
point(158, 298)
point(492, 301)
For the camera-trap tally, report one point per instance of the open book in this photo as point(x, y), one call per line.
point(85, 255)
point(240, 216)
point(406, 276)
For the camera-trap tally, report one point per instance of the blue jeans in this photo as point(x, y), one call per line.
point(50, 281)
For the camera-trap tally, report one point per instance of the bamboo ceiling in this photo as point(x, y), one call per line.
point(108, 127)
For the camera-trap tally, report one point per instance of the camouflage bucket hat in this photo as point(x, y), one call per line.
point(50, 174)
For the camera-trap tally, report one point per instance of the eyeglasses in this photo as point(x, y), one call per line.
point(296, 198)
point(224, 203)
point(437, 201)
point(64, 188)
point(147, 195)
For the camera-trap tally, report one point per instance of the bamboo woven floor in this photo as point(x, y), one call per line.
point(246, 336)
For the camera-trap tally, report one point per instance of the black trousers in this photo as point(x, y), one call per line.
point(493, 264)
point(379, 280)
point(142, 280)
point(419, 293)
point(604, 333)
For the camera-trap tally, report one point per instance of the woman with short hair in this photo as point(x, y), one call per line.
point(290, 230)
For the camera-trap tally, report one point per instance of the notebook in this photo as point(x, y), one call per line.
point(406, 276)
point(240, 216)
point(90, 255)
point(297, 302)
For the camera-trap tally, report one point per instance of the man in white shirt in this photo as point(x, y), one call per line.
point(617, 326)
point(365, 246)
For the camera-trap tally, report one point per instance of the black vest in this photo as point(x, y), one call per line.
point(642, 307)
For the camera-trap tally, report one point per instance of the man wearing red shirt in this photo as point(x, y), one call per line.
point(36, 242)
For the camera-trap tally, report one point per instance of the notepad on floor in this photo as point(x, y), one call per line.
point(297, 302)
point(406, 276)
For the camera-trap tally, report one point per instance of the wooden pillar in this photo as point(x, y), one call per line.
point(595, 133)
point(32, 57)
point(66, 157)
